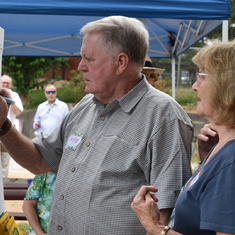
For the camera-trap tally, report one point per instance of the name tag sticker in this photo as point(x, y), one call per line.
point(73, 141)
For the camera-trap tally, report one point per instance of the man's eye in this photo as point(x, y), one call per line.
point(87, 58)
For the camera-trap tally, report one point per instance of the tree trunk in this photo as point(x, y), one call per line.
point(25, 99)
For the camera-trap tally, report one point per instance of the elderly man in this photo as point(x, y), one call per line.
point(15, 110)
point(123, 134)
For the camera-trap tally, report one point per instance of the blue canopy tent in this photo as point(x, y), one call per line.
point(51, 27)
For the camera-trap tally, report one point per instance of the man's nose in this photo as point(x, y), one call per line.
point(82, 66)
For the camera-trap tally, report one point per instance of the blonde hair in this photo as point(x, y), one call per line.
point(218, 61)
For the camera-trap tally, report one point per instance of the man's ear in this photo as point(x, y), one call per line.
point(122, 61)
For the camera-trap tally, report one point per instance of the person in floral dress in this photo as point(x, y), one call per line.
point(37, 202)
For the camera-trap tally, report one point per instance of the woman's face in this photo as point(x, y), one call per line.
point(202, 87)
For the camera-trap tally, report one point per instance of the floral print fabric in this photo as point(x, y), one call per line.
point(42, 188)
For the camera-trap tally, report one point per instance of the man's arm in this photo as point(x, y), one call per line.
point(15, 109)
point(21, 148)
point(24, 152)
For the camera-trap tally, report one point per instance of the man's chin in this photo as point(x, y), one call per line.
point(88, 90)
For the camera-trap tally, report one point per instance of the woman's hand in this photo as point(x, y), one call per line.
point(145, 207)
point(207, 138)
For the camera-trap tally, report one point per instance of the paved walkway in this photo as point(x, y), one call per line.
point(17, 171)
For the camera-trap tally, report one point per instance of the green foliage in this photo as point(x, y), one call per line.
point(24, 227)
point(26, 71)
point(78, 83)
point(71, 92)
point(163, 85)
point(66, 94)
point(185, 96)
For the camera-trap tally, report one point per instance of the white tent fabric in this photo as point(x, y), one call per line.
point(51, 27)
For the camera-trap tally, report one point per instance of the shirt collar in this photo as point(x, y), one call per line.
point(128, 101)
point(55, 103)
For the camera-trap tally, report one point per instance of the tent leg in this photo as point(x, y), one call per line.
point(173, 76)
point(1, 48)
point(225, 31)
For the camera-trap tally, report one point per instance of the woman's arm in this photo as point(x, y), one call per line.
point(29, 208)
point(145, 207)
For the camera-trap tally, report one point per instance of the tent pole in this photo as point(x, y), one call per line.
point(225, 31)
point(1, 48)
point(173, 76)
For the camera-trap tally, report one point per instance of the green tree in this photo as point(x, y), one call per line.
point(26, 72)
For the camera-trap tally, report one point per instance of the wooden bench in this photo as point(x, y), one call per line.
point(15, 189)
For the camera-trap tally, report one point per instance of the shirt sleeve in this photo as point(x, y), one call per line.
point(37, 114)
point(36, 187)
point(66, 110)
point(170, 163)
point(18, 101)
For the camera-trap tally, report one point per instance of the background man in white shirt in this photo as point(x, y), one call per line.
point(14, 111)
point(50, 113)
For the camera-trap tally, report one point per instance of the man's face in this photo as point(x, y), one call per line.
point(151, 76)
point(6, 82)
point(99, 71)
point(50, 93)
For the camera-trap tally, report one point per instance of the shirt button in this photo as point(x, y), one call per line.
point(102, 118)
point(59, 227)
point(61, 197)
point(73, 169)
point(88, 144)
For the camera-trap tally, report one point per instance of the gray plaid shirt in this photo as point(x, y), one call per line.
point(104, 154)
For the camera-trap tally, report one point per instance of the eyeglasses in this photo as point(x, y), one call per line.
point(48, 92)
point(200, 77)
point(153, 76)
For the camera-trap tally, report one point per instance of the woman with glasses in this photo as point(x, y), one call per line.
point(206, 203)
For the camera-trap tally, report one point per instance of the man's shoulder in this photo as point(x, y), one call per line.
point(61, 103)
point(14, 93)
point(42, 105)
point(165, 105)
point(84, 102)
